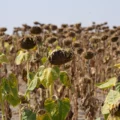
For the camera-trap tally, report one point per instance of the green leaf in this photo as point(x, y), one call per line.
point(112, 98)
point(108, 83)
point(117, 87)
point(13, 84)
point(33, 84)
point(64, 78)
point(10, 90)
point(13, 100)
point(105, 109)
point(106, 116)
point(45, 116)
point(13, 96)
point(34, 79)
point(49, 75)
point(58, 109)
point(19, 58)
point(50, 105)
point(3, 88)
point(40, 70)
point(44, 59)
point(28, 115)
point(22, 55)
point(56, 68)
point(3, 58)
point(31, 76)
point(64, 108)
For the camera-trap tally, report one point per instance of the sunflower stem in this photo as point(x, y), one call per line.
point(28, 80)
point(3, 112)
point(51, 90)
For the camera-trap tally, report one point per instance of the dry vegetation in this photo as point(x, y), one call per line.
point(94, 50)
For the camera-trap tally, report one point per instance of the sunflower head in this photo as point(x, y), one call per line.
point(27, 43)
point(61, 56)
point(35, 30)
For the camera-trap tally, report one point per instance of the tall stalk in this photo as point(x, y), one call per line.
point(28, 80)
point(3, 110)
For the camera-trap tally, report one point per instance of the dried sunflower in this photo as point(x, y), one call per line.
point(35, 30)
point(114, 38)
point(61, 56)
point(88, 55)
point(51, 39)
point(67, 41)
point(27, 43)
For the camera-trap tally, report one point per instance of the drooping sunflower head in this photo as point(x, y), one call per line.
point(60, 56)
point(114, 38)
point(88, 55)
point(35, 30)
point(27, 43)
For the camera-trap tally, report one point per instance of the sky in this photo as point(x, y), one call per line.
point(14, 13)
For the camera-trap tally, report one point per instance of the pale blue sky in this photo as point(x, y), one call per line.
point(16, 12)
